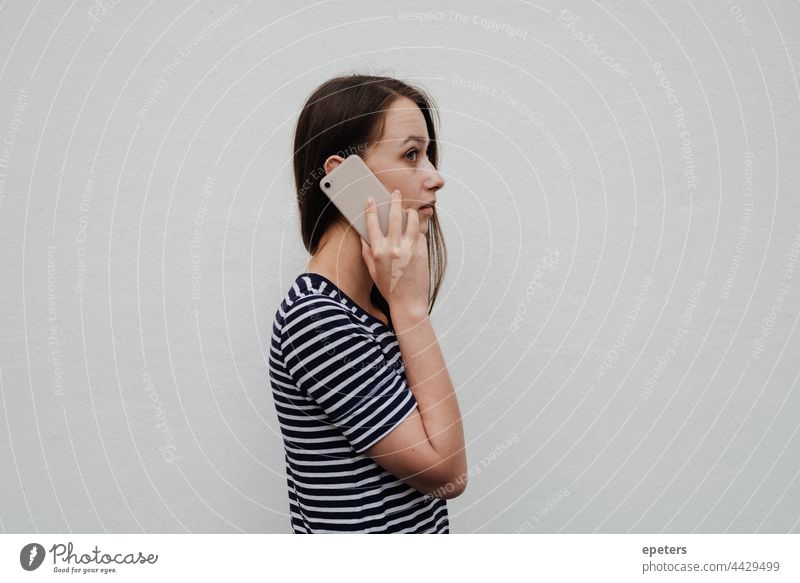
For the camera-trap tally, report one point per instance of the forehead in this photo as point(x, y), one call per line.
point(403, 118)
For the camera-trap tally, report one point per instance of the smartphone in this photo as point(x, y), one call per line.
point(349, 185)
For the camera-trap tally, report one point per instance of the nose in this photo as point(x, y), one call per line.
point(434, 181)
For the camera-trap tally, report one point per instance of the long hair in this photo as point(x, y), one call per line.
point(344, 116)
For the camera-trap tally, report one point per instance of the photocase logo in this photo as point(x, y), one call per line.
point(31, 556)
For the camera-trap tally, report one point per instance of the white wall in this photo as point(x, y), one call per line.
point(622, 297)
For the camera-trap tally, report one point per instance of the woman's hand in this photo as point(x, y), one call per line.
point(398, 263)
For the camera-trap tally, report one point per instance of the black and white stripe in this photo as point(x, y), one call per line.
point(339, 386)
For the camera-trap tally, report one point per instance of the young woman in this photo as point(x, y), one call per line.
point(370, 423)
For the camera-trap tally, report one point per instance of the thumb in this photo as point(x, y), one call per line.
point(365, 253)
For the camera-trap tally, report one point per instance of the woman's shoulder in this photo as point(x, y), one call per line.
point(315, 299)
point(306, 294)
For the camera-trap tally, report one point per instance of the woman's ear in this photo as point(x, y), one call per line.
point(331, 163)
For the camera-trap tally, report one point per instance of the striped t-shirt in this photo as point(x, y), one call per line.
point(339, 386)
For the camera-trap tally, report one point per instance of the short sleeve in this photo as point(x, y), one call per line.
point(342, 368)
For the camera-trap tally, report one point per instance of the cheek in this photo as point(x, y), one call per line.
point(408, 201)
point(385, 172)
point(394, 176)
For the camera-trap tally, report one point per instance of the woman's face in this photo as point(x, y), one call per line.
point(399, 159)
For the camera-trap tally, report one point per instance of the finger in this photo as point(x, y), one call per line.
point(412, 228)
point(373, 225)
point(395, 217)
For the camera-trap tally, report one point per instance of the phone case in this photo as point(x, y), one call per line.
point(349, 185)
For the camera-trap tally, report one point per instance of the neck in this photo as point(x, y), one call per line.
point(339, 259)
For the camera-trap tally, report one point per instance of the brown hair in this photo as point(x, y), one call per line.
point(344, 116)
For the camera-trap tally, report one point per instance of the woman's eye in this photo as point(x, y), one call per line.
point(410, 152)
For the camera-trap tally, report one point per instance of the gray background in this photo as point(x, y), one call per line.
point(621, 211)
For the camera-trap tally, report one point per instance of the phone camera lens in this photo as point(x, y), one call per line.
point(327, 185)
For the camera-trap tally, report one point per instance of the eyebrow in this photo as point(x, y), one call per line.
point(412, 139)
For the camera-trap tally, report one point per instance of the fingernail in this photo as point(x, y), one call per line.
point(396, 193)
point(370, 201)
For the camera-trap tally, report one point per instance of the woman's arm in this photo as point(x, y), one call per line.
point(427, 449)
